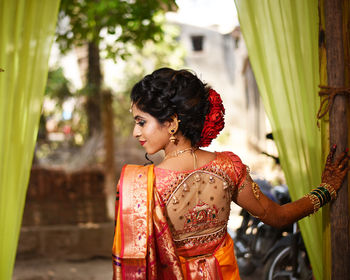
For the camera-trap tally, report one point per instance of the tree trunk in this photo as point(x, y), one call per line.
point(339, 214)
point(94, 79)
point(109, 165)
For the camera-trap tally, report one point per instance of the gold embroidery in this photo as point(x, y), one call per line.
point(228, 172)
point(199, 240)
point(174, 179)
point(223, 166)
point(241, 187)
point(211, 180)
point(175, 200)
point(245, 183)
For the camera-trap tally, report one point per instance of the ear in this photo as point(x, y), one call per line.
point(173, 123)
point(167, 124)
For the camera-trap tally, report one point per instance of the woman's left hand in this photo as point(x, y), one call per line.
point(335, 171)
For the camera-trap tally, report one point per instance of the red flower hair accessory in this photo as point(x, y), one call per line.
point(214, 120)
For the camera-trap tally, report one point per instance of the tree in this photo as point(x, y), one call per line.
point(124, 22)
point(334, 58)
point(109, 27)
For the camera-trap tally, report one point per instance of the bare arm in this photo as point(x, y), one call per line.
point(255, 202)
point(268, 211)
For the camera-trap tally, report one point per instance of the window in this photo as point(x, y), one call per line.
point(197, 42)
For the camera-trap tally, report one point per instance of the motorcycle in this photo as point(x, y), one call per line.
point(288, 259)
point(254, 239)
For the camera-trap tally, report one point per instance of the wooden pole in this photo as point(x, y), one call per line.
point(338, 129)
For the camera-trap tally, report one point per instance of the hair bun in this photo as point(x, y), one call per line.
point(167, 92)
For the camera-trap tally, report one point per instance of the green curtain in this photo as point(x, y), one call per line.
point(26, 33)
point(282, 41)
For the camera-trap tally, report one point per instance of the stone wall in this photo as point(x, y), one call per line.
point(65, 215)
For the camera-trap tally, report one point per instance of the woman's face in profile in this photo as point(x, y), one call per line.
point(152, 135)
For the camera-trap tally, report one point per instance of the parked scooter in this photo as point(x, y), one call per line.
point(254, 239)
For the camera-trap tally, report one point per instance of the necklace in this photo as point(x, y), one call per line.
point(180, 152)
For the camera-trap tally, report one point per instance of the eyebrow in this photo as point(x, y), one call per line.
point(138, 117)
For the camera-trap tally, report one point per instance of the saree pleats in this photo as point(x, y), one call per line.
point(220, 265)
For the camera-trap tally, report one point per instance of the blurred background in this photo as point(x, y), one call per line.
point(85, 137)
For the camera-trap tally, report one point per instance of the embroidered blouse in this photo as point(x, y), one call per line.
point(198, 202)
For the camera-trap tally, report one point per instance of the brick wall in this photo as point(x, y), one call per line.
point(56, 197)
point(65, 215)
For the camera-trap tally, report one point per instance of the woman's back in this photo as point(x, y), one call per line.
point(186, 161)
point(198, 200)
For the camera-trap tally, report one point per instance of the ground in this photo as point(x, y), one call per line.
point(90, 269)
point(97, 269)
point(38, 269)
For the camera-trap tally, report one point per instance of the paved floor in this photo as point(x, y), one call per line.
point(94, 269)
point(98, 269)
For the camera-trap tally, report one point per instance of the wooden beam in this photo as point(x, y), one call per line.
point(338, 127)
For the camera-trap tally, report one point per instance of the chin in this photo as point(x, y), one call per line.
point(152, 151)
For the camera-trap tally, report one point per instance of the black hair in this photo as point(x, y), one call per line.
point(167, 92)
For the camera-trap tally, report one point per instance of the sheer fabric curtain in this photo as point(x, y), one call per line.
point(26, 34)
point(282, 42)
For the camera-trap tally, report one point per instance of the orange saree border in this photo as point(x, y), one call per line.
point(142, 246)
point(131, 233)
point(135, 211)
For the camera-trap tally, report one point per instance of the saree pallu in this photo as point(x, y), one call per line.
point(142, 247)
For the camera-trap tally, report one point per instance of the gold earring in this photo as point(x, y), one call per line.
point(172, 138)
point(172, 131)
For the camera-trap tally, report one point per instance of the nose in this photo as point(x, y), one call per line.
point(136, 132)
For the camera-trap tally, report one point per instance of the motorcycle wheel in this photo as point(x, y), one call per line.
point(279, 266)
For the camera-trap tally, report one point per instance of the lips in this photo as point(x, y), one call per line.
point(142, 143)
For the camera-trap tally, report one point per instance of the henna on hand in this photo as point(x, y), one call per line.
point(335, 171)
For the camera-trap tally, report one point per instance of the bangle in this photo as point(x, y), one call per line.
point(319, 195)
point(326, 192)
point(315, 201)
point(331, 190)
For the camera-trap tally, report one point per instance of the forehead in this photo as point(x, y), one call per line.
point(136, 112)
